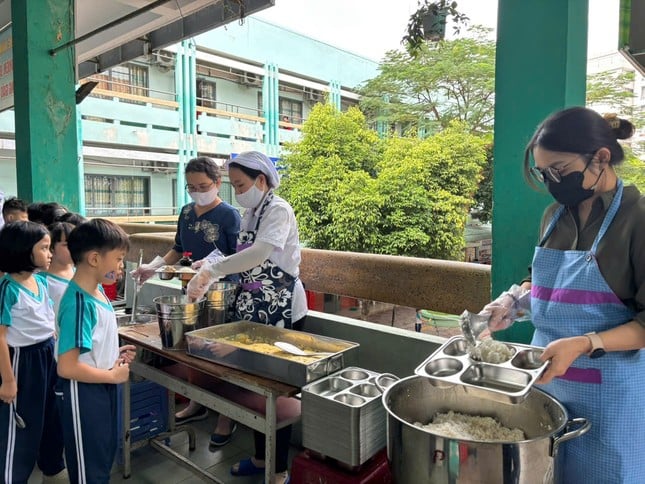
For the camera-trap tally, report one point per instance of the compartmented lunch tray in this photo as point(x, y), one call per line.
point(508, 382)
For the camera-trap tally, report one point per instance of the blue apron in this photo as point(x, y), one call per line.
point(266, 290)
point(570, 297)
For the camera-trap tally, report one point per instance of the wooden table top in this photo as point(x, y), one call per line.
point(146, 336)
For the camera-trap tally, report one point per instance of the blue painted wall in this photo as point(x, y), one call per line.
point(263, 42)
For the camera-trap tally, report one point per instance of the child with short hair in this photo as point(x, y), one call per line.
point(27, 364)
point(61, 268)
point(13, 210)
point(90, 362)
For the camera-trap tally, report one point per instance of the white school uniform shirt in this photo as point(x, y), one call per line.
point(279, 228)
point(89, 324)
point(29, 316)
point(56, 286)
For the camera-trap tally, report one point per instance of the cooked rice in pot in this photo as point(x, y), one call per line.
point(467, 427)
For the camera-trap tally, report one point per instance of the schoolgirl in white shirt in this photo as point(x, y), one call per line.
point(61, 268)
point(28, 416)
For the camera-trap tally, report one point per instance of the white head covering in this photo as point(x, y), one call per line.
point(257, 161)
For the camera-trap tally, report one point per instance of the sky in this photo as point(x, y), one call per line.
point(372, 27)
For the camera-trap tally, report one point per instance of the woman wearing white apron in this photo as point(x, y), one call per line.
point(588, 293)
point(267, 259)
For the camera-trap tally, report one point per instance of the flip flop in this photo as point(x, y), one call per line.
point(246, 468)
point(218, 440)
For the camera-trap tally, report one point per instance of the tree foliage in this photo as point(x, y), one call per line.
point(614, 92)
point(401, 196)
point(450, 80)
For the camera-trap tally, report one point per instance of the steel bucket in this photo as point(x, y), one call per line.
point(219, 305)
point(176, 315)
point(418, 456)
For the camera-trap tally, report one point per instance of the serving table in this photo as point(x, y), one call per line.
point(146, 336)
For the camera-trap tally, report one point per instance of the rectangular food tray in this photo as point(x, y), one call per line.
point(508, 382)
point(343, 416)
point(214, 344)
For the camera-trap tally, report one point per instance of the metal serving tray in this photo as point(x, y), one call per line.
point(508, 382)
point(215, 344)
point(343, 416)
point(167, 272)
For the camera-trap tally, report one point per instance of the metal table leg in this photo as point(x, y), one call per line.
point(125, 400)
point(270, 438)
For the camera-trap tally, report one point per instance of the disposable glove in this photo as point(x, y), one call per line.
point(199, 284)
point(214, 256)
point(142, 273)
point(512, 305)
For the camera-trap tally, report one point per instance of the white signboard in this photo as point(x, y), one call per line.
point(6, 70)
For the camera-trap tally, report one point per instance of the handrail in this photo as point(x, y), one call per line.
point(136, 97)
point(444, 286)
point(219, 112)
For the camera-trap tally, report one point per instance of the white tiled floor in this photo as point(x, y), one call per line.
point(151, 467)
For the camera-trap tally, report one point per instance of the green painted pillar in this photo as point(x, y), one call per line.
point(271, 109)
point(45, 103)
point(180, 189)
point(540, 68)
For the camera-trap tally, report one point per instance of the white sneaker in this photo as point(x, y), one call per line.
point(61, 477)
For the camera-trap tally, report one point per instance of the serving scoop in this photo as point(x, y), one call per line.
point(472, 325)
point(294, 350)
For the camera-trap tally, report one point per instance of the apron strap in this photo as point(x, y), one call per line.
point(554, 220)
point(609, 218)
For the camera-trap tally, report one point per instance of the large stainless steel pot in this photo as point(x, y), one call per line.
point(418, 456)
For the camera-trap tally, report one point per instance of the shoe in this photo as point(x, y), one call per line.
point(200, 414)
point(246, 468)
point(59, 478)
point(218, 440)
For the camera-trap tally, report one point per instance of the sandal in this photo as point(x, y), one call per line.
point(246, 467)
point(218, 440)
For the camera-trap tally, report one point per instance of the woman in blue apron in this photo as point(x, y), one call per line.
point(588, 293)
point(267, 260)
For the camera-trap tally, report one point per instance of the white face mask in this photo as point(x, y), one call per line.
point(250, 198)
point(204, 198)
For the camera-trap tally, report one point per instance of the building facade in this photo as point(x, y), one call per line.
point(243, 87)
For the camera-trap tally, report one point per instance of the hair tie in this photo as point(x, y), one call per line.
point(613, 120)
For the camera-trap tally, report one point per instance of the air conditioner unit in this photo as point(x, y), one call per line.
point(251, 79)
point(167, 61)
point(311, 95)
point(157, 167)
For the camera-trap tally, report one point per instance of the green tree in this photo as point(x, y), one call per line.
point(447, 81)
point(614, 92)
point(399, 196)
point(329, 180)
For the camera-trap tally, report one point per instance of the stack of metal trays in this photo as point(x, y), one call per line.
point(343, 416)
point(507, 382)
point(249, 347)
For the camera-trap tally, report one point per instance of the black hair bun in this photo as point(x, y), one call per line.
point(622, 128)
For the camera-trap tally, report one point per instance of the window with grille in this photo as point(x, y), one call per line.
point(127, 78)
point(206, 91)
point(112, 195)
point(292, 109)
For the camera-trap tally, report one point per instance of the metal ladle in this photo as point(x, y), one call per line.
point(294, 350)
point(472, 325)
point(137, 286)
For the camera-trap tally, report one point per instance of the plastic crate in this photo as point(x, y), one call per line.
point(148, 412)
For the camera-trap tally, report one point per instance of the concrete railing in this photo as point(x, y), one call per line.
point(439, 285)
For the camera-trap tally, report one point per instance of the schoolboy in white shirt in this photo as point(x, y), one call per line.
point(90, 362)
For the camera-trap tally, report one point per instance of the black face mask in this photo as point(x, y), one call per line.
point(570, 191)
